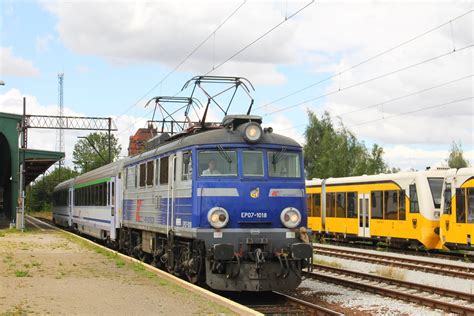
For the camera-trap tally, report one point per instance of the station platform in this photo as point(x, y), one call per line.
point(46, 271)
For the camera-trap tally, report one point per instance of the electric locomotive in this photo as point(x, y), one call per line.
point(219, 203)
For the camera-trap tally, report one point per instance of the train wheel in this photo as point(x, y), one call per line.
point(195, 263)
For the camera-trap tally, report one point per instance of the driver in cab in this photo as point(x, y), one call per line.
point(211, 170)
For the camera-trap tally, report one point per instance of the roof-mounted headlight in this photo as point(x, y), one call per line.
point(218, 217)
point(252, 132)
point(290, 217)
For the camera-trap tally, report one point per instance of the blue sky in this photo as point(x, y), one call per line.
point(113, 53)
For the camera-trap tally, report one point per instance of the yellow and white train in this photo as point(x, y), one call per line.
point(400, 209)
point(457, 218)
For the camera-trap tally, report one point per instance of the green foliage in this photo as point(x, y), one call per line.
point(456, 157)
point(40, 194)
point(86, 158)
point(336, 152)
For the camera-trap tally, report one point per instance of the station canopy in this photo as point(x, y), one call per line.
point(38, 161)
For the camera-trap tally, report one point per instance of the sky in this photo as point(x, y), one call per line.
point(399, 74)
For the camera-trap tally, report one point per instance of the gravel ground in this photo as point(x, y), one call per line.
point(51, 273)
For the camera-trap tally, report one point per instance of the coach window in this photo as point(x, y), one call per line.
point(252, 163)
point(136, 176)
point(401, 205)
point(330, 204)
point(390, 205)
point(317, 205)
point(283, 165)
point(149, 173)
point(447, 199)
point(341, 204)
point(470, 205)
point(376, 204)
point(187, 169)
point(142, 175)
point(217, 163)
point(414, 208)
point(164, 170)
point(351, 204)
point(460, 206)
point(157, 171)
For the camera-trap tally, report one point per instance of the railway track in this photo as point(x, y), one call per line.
point(276, 303)
point(448, 300)
point(447, 269)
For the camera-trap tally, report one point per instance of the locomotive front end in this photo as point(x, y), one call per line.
point(251, 197)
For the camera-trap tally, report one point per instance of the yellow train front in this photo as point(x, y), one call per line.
point(457, 218)
point(401, 209)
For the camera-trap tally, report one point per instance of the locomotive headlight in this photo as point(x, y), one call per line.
point(218, 217)
point(290, 217)
point(252, 132)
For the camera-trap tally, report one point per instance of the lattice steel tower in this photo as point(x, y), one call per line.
point(60, 131)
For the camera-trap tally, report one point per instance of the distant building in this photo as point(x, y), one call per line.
point(138, 141)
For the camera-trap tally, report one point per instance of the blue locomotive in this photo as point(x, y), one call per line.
point(222, 204)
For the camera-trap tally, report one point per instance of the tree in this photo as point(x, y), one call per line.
point(336, 152)
point(40, 194)
point(92, 152)
point(456, 157)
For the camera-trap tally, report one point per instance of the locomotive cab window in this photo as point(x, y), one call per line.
point(283, 165)
point(187, 169)
point(414, 208)
point(252, 163)
point(217, 163)
point(401, 205)
point(447, 199)
point(460, 206)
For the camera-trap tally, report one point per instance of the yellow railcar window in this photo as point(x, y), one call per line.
point(376, 204)
point(341, 204)
point(470, 205)
point(447, 199)
point(309, 204)
point(330, 204)
point(390, 205)
point(317, 205)
point(401, 205)
point(414, 208)
point(460, 206)
point(351, 204)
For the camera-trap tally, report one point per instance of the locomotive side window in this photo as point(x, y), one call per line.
point(142, 175)
point(149, 172)
point(414, 207)
point(390, 205)
point(252, 163)
point(341, 204)
point(164, 170)
point(283, 165)
point(316, 205)
point(460, 206)
point(217, 163)
point(376, 204)
point(470, 205)
point(447, 199)
point(187, 169)
point(330, 204)
point(351, 204)
point(436, 187)
point(401, 205)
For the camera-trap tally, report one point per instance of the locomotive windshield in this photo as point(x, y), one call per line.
point(436, 186)
point(217, 163)
point(253, 163)
point(283, 165)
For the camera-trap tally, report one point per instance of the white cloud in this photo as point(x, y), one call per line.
point(11, 65)
point(42, 42)
point(45, 139)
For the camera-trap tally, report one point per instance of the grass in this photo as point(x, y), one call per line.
point(22, 273)
point(327, 263)
point(42, 214)
point(391, 272)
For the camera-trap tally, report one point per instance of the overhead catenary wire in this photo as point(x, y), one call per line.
point(392, 100)
point(214, 67)
point(370, 80)
point(185, 58)
point(367, 60)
